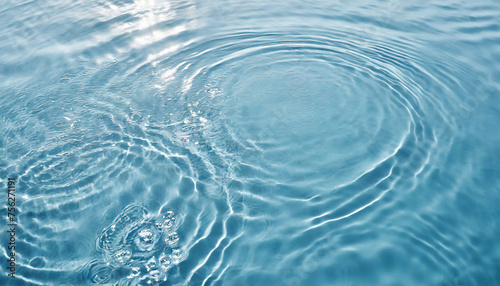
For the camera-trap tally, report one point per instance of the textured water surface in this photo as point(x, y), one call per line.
point(252, 142)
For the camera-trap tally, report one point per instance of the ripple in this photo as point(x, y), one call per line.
point(142, 246)
point(248, 143)
point(242, 90)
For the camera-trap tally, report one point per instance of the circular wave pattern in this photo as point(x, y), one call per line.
point(348, 105)
point(297, 149)
point(249, 97)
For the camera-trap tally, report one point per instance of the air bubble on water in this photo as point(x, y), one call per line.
point(135, 272)
point(151, 264)
point(158, 225)
point(165, 261)
point(145, 239)
point(123, 255)
point(155, 274)
point(176, 255)
point(172, 239)
point(146, 235)
point(166, 222)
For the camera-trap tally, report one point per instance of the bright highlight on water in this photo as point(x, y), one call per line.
point(250, 142)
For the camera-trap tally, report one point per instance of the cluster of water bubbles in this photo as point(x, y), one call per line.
point(138, 247)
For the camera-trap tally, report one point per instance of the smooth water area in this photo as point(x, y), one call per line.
point(251, 142)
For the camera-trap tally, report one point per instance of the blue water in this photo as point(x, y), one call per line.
point(251, 142)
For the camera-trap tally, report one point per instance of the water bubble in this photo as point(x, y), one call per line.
point(145, 239)
point(165, 261)
point(176, 255)
point(172, 239)
point(166, 222)
point(155, 275)
point(123, 255)
point(135, 271)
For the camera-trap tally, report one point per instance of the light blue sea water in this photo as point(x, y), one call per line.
point(251, 142)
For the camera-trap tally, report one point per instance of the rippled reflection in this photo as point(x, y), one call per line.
point(253, 143)
point(140, 247)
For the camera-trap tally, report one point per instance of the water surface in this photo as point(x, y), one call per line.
point(252, 142)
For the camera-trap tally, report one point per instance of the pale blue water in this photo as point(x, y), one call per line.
point(251, 142)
